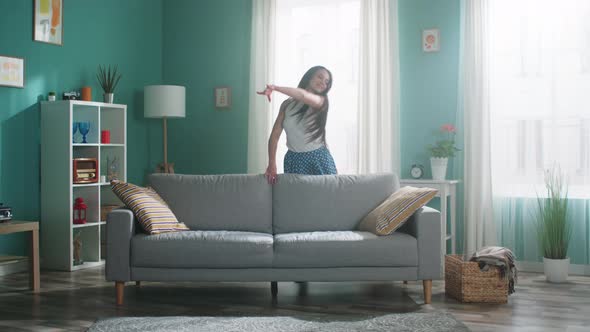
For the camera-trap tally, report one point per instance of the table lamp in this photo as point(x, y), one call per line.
point(164, 101)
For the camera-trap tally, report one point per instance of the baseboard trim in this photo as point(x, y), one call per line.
point(575, 269)
point(14, 265)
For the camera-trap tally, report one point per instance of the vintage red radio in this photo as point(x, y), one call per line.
point(85, 170)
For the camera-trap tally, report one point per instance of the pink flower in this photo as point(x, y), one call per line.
point(448, 128)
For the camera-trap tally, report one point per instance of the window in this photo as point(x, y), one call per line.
point(322, 32)
point(540, 80)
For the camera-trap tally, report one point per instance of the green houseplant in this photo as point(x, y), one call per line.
point(553, 226)
point(108, 78)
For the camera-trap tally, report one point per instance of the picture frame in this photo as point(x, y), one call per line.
point(12, 71)
point(48, 21)
point(223, 97)
point(431, 40)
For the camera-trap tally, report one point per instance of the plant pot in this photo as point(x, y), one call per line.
point(556, 270)
point(439, 167)
point(109, 97)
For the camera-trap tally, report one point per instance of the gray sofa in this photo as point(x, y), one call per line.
point(304, 228)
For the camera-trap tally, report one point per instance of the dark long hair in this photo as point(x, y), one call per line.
point(317, 123)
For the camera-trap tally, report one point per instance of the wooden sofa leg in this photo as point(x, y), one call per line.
point(427, 285)
point(120, 286)
point(274, 288)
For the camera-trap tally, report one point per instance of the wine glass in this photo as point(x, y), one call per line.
point(84, 128)
point(74, 129)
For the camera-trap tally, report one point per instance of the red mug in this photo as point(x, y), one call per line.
point(105, 136)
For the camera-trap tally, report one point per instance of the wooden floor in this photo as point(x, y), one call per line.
point(73, 301)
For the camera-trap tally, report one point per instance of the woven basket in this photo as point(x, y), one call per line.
point(465, 282)
point(106, 209)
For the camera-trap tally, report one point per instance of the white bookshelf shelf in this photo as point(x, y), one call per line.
point(58, 192)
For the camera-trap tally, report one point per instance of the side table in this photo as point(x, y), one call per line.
point(15, 226)
point(446, 188)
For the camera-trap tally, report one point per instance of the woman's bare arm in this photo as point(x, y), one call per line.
point(309, 98)
point(273, 141)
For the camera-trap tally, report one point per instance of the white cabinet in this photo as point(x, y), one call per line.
point(59, 147)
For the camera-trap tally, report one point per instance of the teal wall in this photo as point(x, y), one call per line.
point(207, 44)
point(429, 84)
point(127, 33)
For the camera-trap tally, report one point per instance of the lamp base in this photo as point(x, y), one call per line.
point(161, 169)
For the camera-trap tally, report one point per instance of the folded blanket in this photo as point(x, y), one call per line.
point(500, 257)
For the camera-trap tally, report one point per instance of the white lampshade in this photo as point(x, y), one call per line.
point(164, 101)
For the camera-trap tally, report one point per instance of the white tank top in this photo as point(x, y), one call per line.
point(297, 137)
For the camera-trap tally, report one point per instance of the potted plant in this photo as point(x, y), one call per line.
point(553, 226)
point(442, 150)
point(108, 78)
point(51, 96)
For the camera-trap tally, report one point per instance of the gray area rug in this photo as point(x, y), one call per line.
point(423, 322)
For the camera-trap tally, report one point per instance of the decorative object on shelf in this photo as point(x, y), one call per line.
point(77, 245)
point(79, 211)
point(108, 78)
point(112, 168)
point(85, 170)
point(417, 171)
point(106, 209)
point(51, 96)
point(103, 179)
point(72, 95)
point(74, 129)
point(87, 93)
point(430, 40)
point(442, 150)
point(554, 227)
point(12, 71)
point(164, 101)
point(5, 213)
point(222, 97)
point(48, 22)
point(84, 128)
point(105, 136)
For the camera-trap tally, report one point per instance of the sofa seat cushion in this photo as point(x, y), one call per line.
point(344, 249)
point(202, 249)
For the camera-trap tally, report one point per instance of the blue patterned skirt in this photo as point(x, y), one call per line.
point(315, 162)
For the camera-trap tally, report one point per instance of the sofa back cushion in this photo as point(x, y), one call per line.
point(308, 203)
point(233, 202)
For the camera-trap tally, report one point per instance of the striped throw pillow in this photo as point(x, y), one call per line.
point(396, 209)
point(149, 208)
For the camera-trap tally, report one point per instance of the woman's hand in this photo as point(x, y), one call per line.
point(271, 173)
point(267, 91)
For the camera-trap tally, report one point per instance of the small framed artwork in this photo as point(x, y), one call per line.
point(48, 21)
point(430, 40)
point(12, 72)
point(222, 97)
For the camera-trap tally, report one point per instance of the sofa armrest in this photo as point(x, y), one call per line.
point(425, 226)
point(120, 230)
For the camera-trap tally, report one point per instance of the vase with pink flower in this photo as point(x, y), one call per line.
point(443, 149)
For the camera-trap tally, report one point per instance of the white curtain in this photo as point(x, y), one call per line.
point(322, 32)
point(475, 110)
point(378, 98)
point(540, 56)
point(262, 57)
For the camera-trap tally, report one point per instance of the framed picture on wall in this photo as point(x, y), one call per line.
point(48, 21)
point(430, 40)
point(12, 71)
point(222, 97)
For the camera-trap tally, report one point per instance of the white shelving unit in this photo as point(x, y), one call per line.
point(58, 191)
